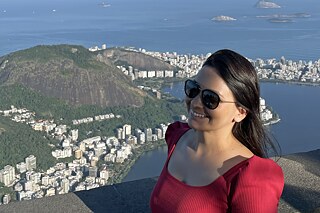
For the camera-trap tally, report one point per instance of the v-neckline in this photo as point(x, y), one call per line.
point(207, 185)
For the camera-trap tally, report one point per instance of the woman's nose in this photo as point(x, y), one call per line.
point(196, 101)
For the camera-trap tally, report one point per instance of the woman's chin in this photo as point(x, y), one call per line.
point(195, 124)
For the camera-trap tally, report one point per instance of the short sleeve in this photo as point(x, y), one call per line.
point(258, 187)
point(174, 132)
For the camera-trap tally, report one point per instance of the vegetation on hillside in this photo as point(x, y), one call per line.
point(41, 67)
point(138, 60)
point(17, 146)
point(71, 73)
point(44, 53)
point(18, 141)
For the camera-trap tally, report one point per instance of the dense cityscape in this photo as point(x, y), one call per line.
point(86, 171)
point(270, 69)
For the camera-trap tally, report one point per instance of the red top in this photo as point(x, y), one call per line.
point(252, 186)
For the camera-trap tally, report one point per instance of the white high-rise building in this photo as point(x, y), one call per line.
point(45, 180)
point(104, 174)
point(158, 133)
point(22, 167)
point(74, 134)
point(65, 185)
point(82, 146)
point(35, 177)
point(133, 140)
point(78, 154)
point(66, 142)
point(148, 134)
point(141, 138)
point(11, 171)
point(28, 186)
point(120, 133)
point(4, 177)
point(164, 128)
point(127, 129)
point(31, 162)
point(7, 175)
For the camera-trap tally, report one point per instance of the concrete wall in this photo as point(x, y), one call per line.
point(301, 192)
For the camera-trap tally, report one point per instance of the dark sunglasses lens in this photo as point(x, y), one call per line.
point(191, 89)
point(210, 99)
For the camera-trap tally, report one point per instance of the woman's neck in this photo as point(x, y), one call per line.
point(214, 142)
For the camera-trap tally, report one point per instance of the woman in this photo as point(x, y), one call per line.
point(217, 161)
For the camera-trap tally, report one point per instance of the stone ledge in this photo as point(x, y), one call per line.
point(301, 192)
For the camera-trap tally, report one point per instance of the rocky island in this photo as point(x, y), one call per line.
point(284, 18)
point(223, 18)
point(266, 4)
point(280, 20)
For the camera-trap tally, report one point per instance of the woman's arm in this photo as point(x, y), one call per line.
point(257, 188)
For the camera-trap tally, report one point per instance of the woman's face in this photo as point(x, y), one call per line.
point(221, 118)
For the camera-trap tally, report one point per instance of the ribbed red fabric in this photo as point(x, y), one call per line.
point(252, 186)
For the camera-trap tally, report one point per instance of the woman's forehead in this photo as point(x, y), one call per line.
point(208, 78)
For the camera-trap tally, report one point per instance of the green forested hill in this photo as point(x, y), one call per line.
point(18, 141)
point(66, 82)
point(70, 73)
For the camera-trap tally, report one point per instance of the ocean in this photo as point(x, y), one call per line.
point(184, 26)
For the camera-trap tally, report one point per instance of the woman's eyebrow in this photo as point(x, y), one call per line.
point(220, 95)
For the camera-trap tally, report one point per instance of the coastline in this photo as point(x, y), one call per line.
point(162, 82)
point(125, 167)
point(276, 81)
point(272, 121)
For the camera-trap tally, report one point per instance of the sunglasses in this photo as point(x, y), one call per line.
point(209, 98)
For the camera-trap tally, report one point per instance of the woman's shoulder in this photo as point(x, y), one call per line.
point(259, 181)
point(259, 169)
point(264, 167)
point(175, 131)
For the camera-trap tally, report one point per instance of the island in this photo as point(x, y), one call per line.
point(103, 4)
point(266, 5)
point(294, 15)
point(280, 20)
point(284, 18)
point(223, 18)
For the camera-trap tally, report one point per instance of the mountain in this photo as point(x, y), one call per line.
point(70, 73)
point(138, 60)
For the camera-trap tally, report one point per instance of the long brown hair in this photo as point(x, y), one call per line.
point(241, 77)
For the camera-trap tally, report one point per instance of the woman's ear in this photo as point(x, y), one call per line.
point(240, 114)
